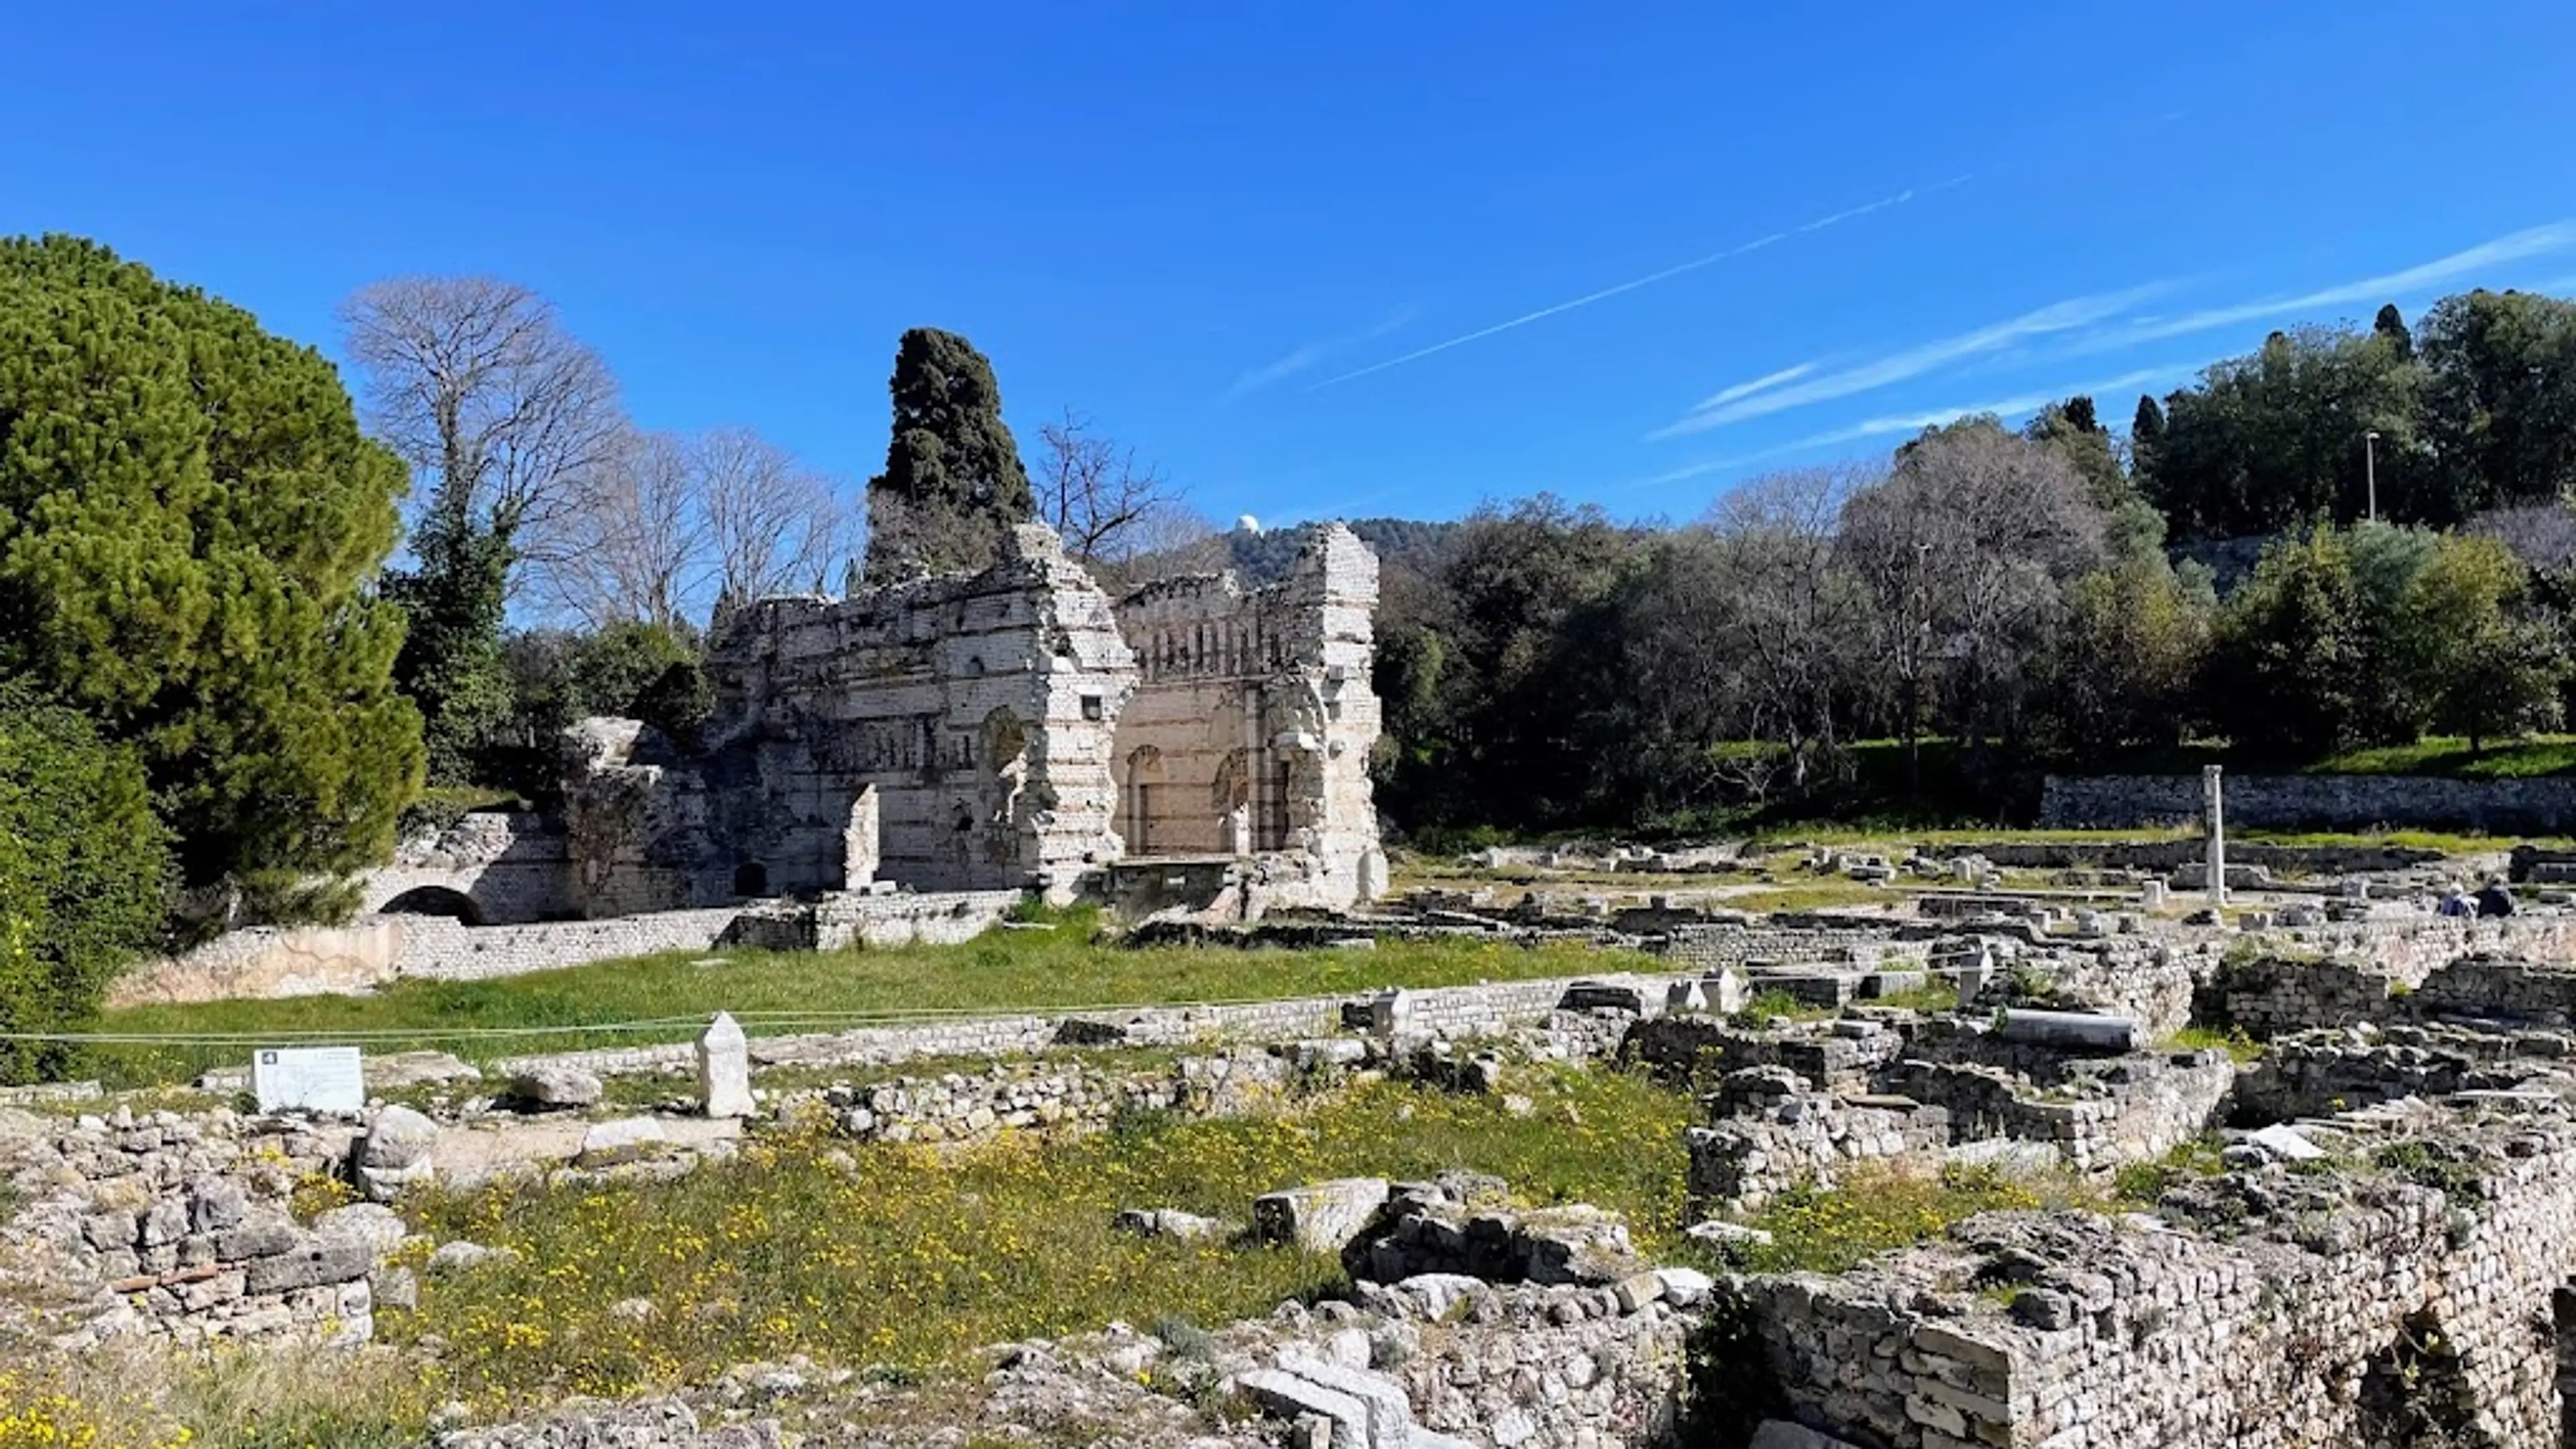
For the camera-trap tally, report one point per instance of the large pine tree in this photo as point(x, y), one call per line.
point(953, 482)
point(190, 523)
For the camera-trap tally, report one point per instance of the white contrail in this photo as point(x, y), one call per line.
point(1648, 280)
point(1744, 401)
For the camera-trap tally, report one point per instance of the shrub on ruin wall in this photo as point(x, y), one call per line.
point(81, 860)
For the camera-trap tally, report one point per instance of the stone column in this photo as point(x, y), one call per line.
point(2217, 836)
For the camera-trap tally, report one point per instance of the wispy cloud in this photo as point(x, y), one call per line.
point(1752, 400)
point(1309, 355)
point(2145, 379)
point(1767, 380)
point(1648, 280)
point(2538, 241)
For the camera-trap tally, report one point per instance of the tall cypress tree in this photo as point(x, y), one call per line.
point(953, 482)
point(2146, 437)
point(2391, 324)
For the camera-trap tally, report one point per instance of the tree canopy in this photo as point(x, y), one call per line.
point(190, 523)
point(81, 858)
point(953, 481)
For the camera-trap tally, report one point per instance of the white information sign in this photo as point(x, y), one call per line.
point(311, 1079)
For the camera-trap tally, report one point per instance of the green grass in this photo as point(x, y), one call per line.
point(2144, 1184)
point(912, 1258)
point(1878, 1209)
point(2232, 1041)
point(1056, 970)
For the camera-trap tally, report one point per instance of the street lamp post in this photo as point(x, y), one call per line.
point(2370, 470)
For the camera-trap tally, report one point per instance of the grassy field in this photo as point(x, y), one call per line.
point(1060, 968)
point(900, 1262)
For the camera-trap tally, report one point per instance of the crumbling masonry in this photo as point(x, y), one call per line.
point(1006, 730)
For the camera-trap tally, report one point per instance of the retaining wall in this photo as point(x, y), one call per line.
point(2343, 802)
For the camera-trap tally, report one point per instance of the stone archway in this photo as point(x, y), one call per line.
point(430, 900)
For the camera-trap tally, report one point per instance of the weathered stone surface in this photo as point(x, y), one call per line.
point(397, 1137)
point(628, 1139)
point(724, 1069)
point(554, 1087)
point(1321, 1217)
point(379, 1228)
point(1290, 1396)
point(1782, 1434)
point(310, 1264)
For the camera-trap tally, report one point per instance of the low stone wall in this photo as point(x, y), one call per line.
point(2321, 1073)
point(1680, 1048)
point(2498, 988)
point(2302, 1333)
point(1044, 1096)
point(2274, 995)
point(2129, 1110)
point(1780, 1134)
point(266, 962)
point(1451, 1010)
point(177, 1226)
point(2344, 802)
point(2163, 857)
point(1702, 948)
point(444, 950)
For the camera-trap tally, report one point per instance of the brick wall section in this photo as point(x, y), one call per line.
point(2347, 802)
point(2259, 1342)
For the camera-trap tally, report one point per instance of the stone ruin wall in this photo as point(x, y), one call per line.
point(2172, 1339)
point(1250, 729)
point(978, 711)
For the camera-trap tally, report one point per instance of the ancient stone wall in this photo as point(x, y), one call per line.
point(2320, 1330)
point(2345, 802)
point(1250, 729)
point(1779, 1133)
point(177, 1226)
point(978, 708)
point(487, 866)
point(2272, 995)
point(1044, 1095)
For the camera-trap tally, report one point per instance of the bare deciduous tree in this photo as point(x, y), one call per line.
point(773, 524)
point(1963, 548)
point(630, 543)
point(668, 528)
point(1797, 613)
point(475, 381)
point(1094, 493)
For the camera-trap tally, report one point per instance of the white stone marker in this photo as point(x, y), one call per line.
point(2217, 836)
point(724, 1069)
point(309, 1079)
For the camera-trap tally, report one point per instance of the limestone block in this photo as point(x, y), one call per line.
point(1289, 1397)
point(379, 1228)
point(1388, 1417)
point(548, 1086)
point(1321, 1217)
point(309, 1264)
point(724, 1069)
point(397, 1137)
point(628, 1139)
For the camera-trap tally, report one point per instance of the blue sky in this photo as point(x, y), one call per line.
point(1327, 259)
